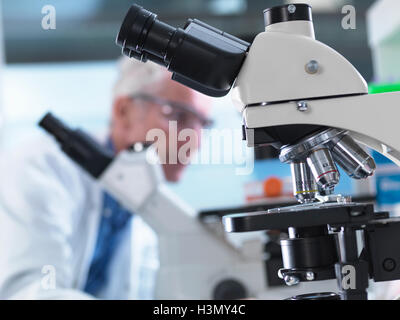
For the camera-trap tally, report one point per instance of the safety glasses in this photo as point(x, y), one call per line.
point(182, 113)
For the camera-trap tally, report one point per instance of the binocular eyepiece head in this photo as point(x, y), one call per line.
point(199, 56)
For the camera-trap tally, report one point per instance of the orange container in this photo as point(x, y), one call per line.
point(273, 187)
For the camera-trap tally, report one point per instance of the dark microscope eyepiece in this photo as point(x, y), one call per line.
point(135, 34)
point(135, 13)
point(79, 146)
point(55, 127)
point(199, 56)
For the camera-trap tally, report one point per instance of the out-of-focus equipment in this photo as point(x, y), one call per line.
point(383, 30)
point(307, 100)
point(385, 47)
point(1, 67)
point(195, 263)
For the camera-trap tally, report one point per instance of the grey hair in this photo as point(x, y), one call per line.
point(137, 77)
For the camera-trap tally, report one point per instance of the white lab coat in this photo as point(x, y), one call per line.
point(50, 210)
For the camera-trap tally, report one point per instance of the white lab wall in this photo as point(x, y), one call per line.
point(384, 39)
point(80, 93)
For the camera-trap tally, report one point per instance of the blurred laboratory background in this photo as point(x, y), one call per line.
point(71, 70)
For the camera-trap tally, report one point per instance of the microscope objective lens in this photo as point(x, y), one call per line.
point(323, 168)
point(304, 187)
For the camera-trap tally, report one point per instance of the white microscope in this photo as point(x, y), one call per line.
point(302, 97)
point(195, 262)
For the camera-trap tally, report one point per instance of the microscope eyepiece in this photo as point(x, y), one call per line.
point(55, 127)
point(143, 36)
point(199, 56)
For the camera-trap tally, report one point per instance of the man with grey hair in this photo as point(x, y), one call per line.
point(61, 236)
point(142, 101)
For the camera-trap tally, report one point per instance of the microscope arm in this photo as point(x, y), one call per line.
point(371, 119)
